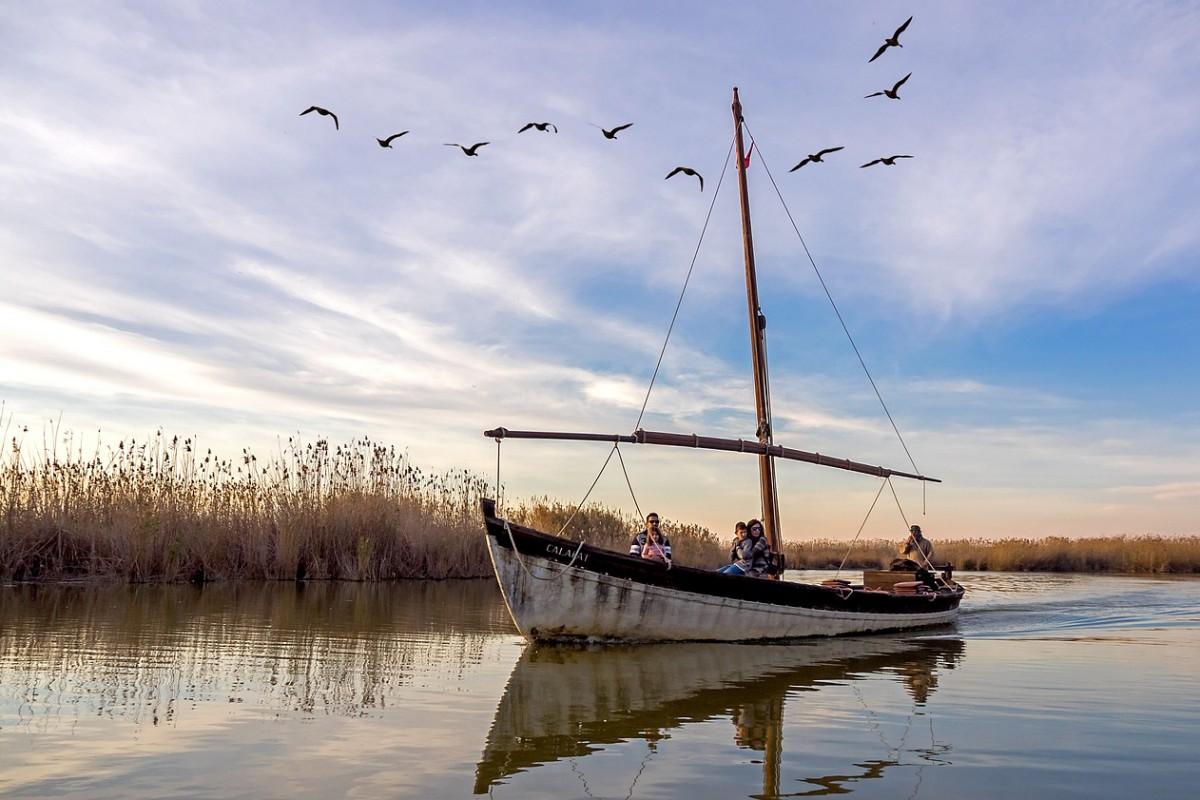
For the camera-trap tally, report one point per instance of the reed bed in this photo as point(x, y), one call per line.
point(1132, 554)
point(162, 510)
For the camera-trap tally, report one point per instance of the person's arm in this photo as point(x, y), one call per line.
point(635, 546)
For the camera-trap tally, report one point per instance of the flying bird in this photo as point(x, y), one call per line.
point(324, 112)
point(686, 171)
point(892, 92)
point(888, 160)
point(817, 157)
point(894, 41)
point(472, 150)
point(388, 141)
point(613, 133)
point(541, 126)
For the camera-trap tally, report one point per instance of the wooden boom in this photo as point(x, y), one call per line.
point(712, 443)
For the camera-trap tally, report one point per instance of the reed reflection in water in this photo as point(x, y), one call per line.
point(328, 648)
point(159, 683)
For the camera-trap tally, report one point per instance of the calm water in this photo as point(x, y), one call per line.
point(1049, 686)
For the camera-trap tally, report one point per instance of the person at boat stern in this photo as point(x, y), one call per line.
point(651, 543)
point(916, 547)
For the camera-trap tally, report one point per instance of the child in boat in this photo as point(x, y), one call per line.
point(657, 548)
point(739, 553)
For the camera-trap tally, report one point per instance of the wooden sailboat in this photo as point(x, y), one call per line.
point(556, 588)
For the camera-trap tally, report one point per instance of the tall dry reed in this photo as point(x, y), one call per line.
point(1142, 554)
point(162, 510)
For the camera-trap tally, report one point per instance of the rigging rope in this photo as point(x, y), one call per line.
point(628, 483)
point(920, 552)
point(860, 529)
point(513, 541)
point(836, 311)
point(683, 291)
point(579, 505)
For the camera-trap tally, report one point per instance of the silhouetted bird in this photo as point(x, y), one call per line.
point(686, 171)
point(889, 160)
point(892, 92)
point(894, 41)
point(816, 158)
point(541, 126)
point(324, 112)
point(388, 141)
point(471, 151)
point(613, 133)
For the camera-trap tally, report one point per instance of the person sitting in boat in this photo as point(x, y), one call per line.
point(661, 544)
point(760, 559)
point(916, 552)
point(741, 553)
point(753, 553)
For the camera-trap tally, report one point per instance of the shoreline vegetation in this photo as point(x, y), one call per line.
point(162, 511)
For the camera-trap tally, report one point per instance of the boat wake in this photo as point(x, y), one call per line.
point(1075, 606)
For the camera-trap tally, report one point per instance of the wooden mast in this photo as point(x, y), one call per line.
point(758, 346)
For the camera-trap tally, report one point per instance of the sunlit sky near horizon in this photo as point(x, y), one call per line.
point(180, 250)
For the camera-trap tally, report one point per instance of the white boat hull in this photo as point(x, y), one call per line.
point(550, 601)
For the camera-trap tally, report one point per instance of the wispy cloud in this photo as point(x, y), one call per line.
point(1162, 491)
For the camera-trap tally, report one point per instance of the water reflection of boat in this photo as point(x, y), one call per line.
point(565, 703)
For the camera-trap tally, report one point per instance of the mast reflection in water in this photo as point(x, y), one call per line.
point(566, 703)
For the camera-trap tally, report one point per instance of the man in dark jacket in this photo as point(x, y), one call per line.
point(639, 540)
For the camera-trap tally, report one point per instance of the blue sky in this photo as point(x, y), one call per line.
point(181, 250)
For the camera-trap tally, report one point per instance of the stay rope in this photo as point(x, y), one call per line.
point(900, 508)
point(628, 483)
point(658, 365)
point(683, 291)
point(513, 541)
point(841, 320)
point(860, 529)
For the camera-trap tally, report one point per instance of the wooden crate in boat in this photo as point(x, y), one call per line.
point(885, 579)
